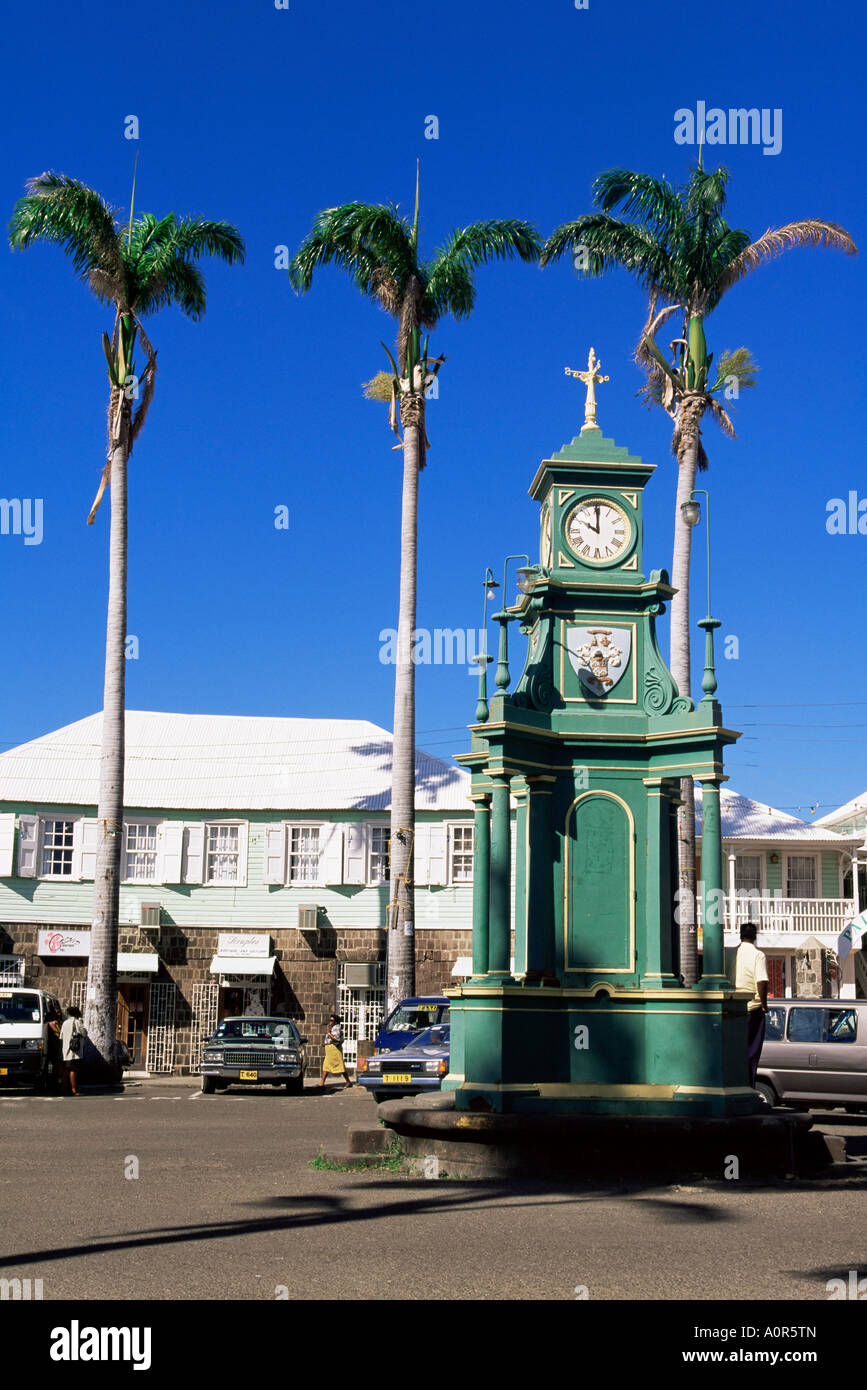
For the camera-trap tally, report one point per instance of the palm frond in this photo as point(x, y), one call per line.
point(608, 244)
point(740, 364)
point(194, 237)
point(721, 417)
point(449, 275)
point(653, 201)
point(67, 213)
point(360, 238)
point(809, 232)
point(180, 283)
point(705, 194)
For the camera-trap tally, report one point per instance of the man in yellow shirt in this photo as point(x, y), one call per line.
point(751, 973)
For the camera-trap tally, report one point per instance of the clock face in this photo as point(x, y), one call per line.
point(545, 538)
point(599, 531)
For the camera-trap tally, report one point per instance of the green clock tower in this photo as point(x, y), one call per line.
point(576, 1006)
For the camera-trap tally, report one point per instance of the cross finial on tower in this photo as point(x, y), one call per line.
point(590, 378)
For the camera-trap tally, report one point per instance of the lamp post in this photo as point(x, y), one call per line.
point(691, 513)
point(490, 587)
point(526, 575)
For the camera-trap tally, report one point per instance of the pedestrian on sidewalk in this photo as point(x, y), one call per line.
point(333, 1063)
point(72, 1036)
point(751, 973)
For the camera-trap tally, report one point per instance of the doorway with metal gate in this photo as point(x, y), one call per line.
point(360, 1004)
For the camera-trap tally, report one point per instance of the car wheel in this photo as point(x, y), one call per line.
point(767, 1093)
point(209, 1085)
point(295, 1087)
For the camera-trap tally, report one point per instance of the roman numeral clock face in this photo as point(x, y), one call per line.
point(598, 531)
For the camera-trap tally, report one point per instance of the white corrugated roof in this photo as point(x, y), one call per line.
point(230, 763)
point(745, 819)
point(854, 808)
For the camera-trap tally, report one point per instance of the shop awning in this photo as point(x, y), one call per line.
point(243, 965)
point(137, 962)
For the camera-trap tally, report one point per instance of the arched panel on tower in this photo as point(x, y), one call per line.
point(599, 888)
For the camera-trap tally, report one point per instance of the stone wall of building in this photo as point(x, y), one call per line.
point(304, 985)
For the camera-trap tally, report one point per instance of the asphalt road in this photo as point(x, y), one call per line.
point(226, 1206)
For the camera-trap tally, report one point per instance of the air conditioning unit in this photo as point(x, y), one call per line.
point(359, 976)
point(308, 918)
point(150, 915)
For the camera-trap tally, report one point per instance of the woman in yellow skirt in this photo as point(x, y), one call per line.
point(333, 1063)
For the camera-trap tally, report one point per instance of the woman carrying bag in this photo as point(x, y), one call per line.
point(72, 1037)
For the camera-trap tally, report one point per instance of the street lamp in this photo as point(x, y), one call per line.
point(503, 677)
point(490, 587)
point(690, 510)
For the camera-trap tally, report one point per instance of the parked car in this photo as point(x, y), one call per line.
point(418, 1067)
point(411, 1016)
point(29, 1047)
point(254, 1051)
point(815, 1053)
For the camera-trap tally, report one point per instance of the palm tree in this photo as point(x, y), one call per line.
point(138, 268)
point(684, 254)
point(378, 249)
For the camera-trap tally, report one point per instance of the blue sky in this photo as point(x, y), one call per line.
point(262, 116)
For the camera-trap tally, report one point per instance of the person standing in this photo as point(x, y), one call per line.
point(72, 1037)
point(333, 1063)
point(751, 973)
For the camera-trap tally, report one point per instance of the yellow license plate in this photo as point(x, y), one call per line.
point(248, 1076)
point(400, 1076)
point(4, 1071)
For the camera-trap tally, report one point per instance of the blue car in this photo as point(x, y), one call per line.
point(412, 1070)
point(411, 1016)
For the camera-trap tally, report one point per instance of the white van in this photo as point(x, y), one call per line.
point(29, 1047)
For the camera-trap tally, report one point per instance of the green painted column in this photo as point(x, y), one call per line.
point(520, 792)
point(540, 880)
point(713, 899)
point(481, 882)
point(656, 968)
point(501, 863)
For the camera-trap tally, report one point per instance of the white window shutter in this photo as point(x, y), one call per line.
point(85, 842)
point(274, 856)
point(243, 838)
point(28, 845)
point(171, 852)
point(330, 854)
point(356, 841)
point(7, 841)
point(421, 854)
point(194, 853)
point(435, 847)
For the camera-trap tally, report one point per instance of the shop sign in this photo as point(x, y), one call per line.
point(63, 943)
point(242, 945)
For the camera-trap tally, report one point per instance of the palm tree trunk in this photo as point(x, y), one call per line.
point(691, 410)
point(101, 1009)
point(400, 957)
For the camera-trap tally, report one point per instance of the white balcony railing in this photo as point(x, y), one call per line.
point(800, 916)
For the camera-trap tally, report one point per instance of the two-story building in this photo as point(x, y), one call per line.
point(254, 873)
point(795, 881)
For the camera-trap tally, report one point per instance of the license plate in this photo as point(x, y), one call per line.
point(248, 1076)
point(4, 1071)
point(402, 1077)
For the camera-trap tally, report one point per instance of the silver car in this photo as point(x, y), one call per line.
point(815, 1053)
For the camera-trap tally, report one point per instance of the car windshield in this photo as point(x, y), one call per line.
point(431, 1037)
point(278, 1031)
point(19, 1008)
point(411, 1018)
